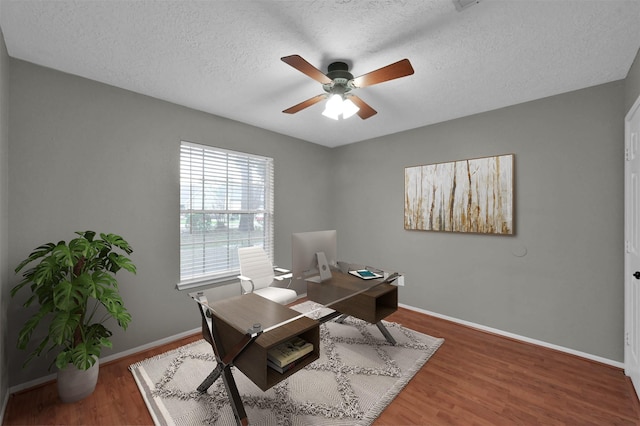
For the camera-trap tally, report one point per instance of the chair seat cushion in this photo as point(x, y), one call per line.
point(279, 295)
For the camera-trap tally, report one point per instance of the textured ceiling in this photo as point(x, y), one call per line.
point(223, 57)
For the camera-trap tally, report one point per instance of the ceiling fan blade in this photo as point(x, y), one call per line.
point(305, 104)
point(305, 67)
point(365, 110)
point(398, 69)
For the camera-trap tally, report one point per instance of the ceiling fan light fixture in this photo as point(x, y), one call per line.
point(349, 108)
point(333, 109)
point(330, 114)
point(337, 105)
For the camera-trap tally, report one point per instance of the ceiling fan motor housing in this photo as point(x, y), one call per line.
point(341, 78)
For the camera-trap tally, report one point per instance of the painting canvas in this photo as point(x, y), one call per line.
point(474, 195)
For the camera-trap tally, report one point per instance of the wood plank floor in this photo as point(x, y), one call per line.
point(474, 378)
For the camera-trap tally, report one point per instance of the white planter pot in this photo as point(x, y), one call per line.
point(75, 384)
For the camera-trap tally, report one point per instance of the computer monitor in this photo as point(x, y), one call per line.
point(305, 245)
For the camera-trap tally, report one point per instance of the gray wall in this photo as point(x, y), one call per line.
point(87, 155)
point(4, 220)
point(91, 156)
point(568, 289)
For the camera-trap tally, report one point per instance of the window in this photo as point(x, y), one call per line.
point(226, 202)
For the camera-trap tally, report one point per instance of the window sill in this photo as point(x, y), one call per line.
point(207, 282)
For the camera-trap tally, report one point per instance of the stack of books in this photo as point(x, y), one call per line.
point(287, 355)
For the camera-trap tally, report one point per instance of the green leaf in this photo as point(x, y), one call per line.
point(30, 300)
point(63, 326)
point(112, 263)
point(102, 248)
point(106, 342)
point(84, 355)
point(98, 332)
point(63, 359)
point(103, 280)
point(123, 262)
point(17, 288)
point(114, 305)
point(117, 241)
point(44, 292)
point(46, 270)
point(24, 336)
point(39, 252)
point(79, 247)
point(88, 235)
point(62, 255)
point(85, 286)
point(69, 296)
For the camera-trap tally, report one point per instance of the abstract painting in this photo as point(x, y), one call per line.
point(474, 195)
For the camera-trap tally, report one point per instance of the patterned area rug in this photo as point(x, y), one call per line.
point(357, 376)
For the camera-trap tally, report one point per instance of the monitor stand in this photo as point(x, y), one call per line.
point(323, 266)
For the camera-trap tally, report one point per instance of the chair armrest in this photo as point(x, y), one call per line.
point(283, 277)
point(242, 279)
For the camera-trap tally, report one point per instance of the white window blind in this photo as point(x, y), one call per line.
point(226, 202)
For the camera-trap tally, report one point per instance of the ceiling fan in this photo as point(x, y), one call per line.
point(339, 83)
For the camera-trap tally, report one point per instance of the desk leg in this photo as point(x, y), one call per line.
point(232, 391)
point(386, 333)
point(234, 397)
point(381, 327)
point(224, 363)
point(210, 380)
point(341, 318)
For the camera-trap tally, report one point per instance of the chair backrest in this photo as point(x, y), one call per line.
point(255, 264)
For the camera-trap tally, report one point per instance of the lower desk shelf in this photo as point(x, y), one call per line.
point(233, 317)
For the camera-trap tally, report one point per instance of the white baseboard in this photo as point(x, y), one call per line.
point(151, 345)
point(585, 355)
point(51, 377)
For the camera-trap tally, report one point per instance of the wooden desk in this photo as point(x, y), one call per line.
point(234, 328)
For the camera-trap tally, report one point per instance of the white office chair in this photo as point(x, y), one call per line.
point(256, 270)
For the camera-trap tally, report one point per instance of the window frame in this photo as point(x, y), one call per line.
point(195, 172)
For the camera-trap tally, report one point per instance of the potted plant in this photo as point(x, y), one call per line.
point(75, 287)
